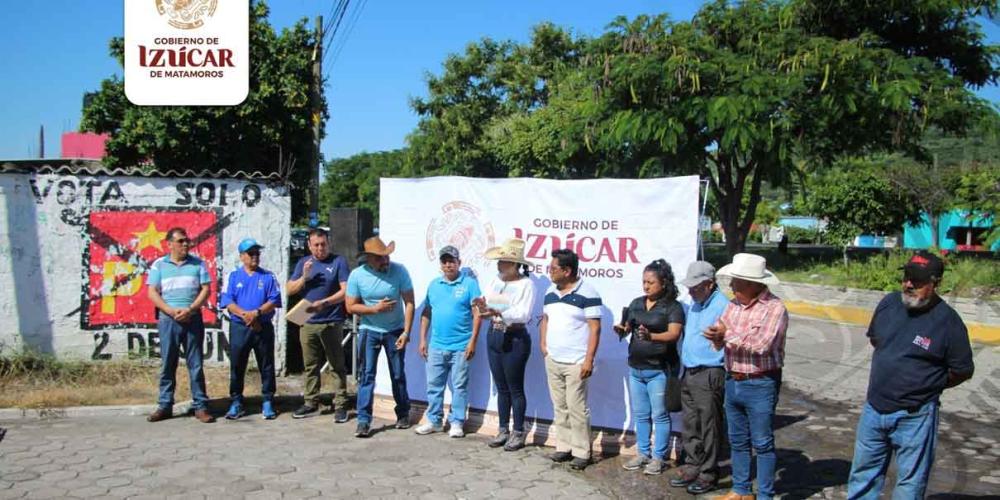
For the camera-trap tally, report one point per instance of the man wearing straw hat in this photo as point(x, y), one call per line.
point(752, 332)
point(374, 292)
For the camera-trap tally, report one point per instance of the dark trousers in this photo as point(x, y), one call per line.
point(702, 391)
point(242, 340)
point(508, 354)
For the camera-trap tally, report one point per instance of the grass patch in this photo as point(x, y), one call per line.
point(963, 277)
point(33, 381)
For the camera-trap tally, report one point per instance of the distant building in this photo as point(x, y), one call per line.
point(84, 145)
point(958, 230)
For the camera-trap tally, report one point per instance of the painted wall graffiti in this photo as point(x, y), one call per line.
point(74, 252)
point(122, 245)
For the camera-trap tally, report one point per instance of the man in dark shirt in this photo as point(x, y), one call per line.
point(921, 348)
point(321, 278)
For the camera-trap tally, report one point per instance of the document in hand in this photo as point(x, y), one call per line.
point(298, 314)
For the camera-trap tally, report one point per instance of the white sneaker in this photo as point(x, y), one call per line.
point(428, 428)
point(456, 431)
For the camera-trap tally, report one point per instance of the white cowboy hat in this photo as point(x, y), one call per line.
point(512, 250)
point(749, 267)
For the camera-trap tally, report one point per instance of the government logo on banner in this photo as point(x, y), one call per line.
point(122, 246)
point(187, 52)
point(461, 225)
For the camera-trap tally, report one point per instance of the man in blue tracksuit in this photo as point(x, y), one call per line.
point(252, 294)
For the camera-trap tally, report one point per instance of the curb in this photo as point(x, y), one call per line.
point(216, 405)
point(88, 411)
point(978, 332)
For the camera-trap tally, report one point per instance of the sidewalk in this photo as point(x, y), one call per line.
point(815, 443)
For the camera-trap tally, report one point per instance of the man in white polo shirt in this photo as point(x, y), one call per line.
point(570, 332)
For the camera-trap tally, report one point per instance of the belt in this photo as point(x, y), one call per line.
point(513, 327)
point(739, 377)
point(694, 370)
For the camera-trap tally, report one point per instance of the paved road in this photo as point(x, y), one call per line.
point(125, 457)
point(831, 361)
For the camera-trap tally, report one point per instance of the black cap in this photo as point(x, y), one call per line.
point(924, 266)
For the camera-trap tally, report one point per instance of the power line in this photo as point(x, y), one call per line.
point(335, 9)
point(335, 23)
point(351, 23)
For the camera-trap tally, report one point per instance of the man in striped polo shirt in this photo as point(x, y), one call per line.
point(178, 285)
point(569, 335)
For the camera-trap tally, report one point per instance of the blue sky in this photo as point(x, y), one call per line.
point(55, 50)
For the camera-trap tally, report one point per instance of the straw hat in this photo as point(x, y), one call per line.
point(512, 250)
point(375, 246)
point(749, 267)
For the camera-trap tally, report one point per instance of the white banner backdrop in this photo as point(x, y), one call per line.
point(617, 226)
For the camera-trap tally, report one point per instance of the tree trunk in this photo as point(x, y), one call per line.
point(934, 218)
point(728, 188)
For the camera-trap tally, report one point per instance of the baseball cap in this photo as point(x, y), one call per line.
point(449, 250)
point(248, 243)
point(698, 272)
point(924, 266)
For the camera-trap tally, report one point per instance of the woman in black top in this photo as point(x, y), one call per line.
point(655, 321)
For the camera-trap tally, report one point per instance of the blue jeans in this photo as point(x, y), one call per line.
point(370, 343)
point(912, 436)
point(172, 336)
point(508, 353)
point(648, 389)
point(440, 364)
point(242, 340)
point(749, 411)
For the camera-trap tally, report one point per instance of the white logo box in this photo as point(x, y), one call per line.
point(187, 52)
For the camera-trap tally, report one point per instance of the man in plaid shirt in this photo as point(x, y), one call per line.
point(752, 332)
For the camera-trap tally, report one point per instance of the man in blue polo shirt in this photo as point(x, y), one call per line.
point(374, 292)
point(921, 349)
point(454, 324)
point(704, 382)
point(178, 285)
point(252, 294)
point(321, 278)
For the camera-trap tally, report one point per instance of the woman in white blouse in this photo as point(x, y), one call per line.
point(508, 300)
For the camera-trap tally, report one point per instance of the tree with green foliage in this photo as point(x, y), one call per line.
point(746, 92)
point(354, 181)
point(491, 81)
point(856, 197)
point(270, 130)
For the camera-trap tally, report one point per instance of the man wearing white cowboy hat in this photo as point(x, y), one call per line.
point(752, 331)
point(374, 291)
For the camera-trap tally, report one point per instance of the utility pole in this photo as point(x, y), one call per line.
point(317, 117)
point(41, 142)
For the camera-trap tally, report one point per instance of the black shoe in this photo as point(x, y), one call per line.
point(560, 456)
point(685, 476)
point(700, 486)
point(403, 423)
point(363, 431)
point(579, 463)
point(304, 411)
point(340, 416)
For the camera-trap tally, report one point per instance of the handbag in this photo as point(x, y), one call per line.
point(673, 393)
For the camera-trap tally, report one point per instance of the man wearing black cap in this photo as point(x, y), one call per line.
point(921, 348)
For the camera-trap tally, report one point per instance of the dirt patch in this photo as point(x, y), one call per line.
point(115, 383)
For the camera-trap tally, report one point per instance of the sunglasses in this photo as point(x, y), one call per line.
point(183, 241)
